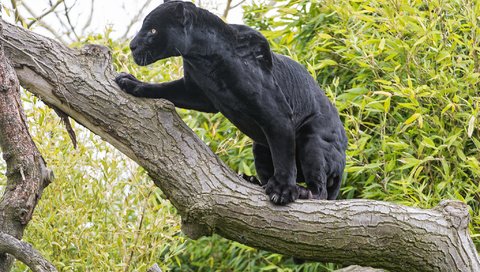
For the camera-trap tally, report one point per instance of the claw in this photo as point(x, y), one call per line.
point(281, 193)
point(274, 198)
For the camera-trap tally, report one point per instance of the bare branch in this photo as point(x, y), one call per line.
point(238, 4)
point(18, 17)
point(50, 10)
point(65, 26)
point(68, 126)
point(67, 15)
point(227, 9)
point(137, 233)
point(44, 25)
point(90, 16)
point(136, 18)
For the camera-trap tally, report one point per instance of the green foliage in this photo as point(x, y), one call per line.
point(405, 77)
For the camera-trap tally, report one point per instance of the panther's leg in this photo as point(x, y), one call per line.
point(273, 114)
point(333, 186)
point(182, 93)
point(264, 167)
point(263, 162)
point(281, 186)
point(322, 162)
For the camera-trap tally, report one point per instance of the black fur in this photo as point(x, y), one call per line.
point(297, 133)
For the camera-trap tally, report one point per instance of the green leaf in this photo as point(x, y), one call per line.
point(381, 46)
point(412, 118)
point(471, 126)
point(325, 63)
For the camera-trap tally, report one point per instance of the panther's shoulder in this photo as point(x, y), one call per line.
point(252, 45)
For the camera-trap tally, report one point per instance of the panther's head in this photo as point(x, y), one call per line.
point(164, 33)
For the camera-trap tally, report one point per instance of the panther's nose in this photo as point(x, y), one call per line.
point(133, 45)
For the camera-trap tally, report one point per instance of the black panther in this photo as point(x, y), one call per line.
point(297, 132)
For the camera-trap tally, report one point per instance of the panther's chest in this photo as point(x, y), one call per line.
point(233, 98)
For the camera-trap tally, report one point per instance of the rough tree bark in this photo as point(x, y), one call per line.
point(25, 253)
point(212, 199)
point(27, 174)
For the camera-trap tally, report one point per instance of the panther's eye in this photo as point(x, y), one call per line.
point(153, 31)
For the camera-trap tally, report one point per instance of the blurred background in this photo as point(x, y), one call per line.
point(69, 20)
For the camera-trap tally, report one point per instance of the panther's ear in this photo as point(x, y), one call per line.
point(183, 14)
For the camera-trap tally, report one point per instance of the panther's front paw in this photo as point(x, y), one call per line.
point(128, 83)
point(281, 193)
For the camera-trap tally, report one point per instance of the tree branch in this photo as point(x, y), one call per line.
point(25, 253)
point(50, 10)
point(135, 18)
point(212, 199)
point(90, 16)
point(18, 17)
point(27, 174)
point(67, 15)
point(227, 9)
point(43, 24)
point(238, 4)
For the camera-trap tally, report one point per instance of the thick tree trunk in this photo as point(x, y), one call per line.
point(212, 199)
point(27, 174)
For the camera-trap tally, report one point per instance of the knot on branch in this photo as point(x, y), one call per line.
point(163, 104)
point(195, 220)
point(47, 176)
point(456, 212)
point(46, 173)
point(7, 155)
point(4, 88)
point(98, 55)
point(95, 50)
point(24, 215)
point(195, 230)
